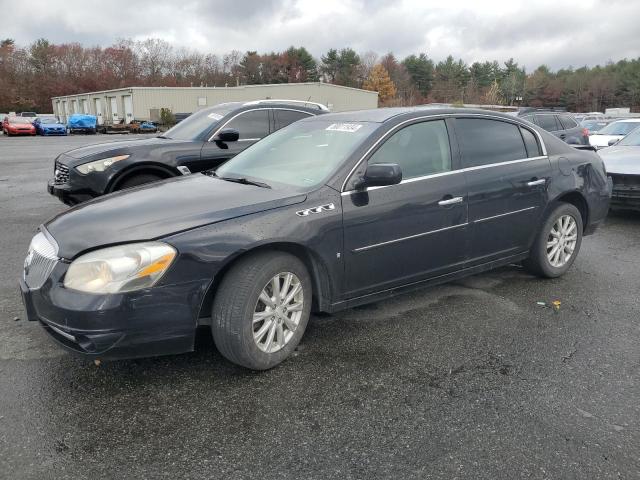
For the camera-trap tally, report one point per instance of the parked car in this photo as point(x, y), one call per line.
point(594, 126)
point(623, 166)
point(330, 212)
point(82, 123)
point(137, 126)
point(193, 145)
point(18, 126)
point(49, 126)
point(614, 132)
point(27, 114)
point(560, 124)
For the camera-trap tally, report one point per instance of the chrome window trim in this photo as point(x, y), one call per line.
point(450, 172)
point(514, 120)
point(417, 235)
point(480, 220)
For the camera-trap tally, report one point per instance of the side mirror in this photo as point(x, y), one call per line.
point(381, 174)
point(613, 141)
point(227, 135)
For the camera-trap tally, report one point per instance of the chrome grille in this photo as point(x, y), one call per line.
point(40, 261)
point(60, 174)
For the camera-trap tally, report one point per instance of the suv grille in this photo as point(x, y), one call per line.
point(40, 261)
point(60, 174)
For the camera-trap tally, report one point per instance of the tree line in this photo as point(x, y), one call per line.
point(30, 75)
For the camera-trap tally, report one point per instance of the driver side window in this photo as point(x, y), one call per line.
point(420, 149)
point(252, 125)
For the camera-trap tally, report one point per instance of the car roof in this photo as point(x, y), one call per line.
point(381, 115)
point(627, 120)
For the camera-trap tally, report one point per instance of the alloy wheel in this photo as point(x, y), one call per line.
point(278, 312)
point(561, 242)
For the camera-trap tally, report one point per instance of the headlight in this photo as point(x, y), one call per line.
point(100, 165)
point(120, 269)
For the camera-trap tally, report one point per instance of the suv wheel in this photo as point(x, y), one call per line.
point(557, 244)
point(137, 180)
point(261, 310)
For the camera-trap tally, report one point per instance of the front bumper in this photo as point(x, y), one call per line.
point(626, 192)
point(157, 321)
point(68, 195)
point(54, 132)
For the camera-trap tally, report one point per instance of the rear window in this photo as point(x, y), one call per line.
point(530, 141)
point(548, 122)
point(285, 117)
point(489, 141)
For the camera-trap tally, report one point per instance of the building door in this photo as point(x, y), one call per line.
point(74, 106)
point(97, 103)
point(113, 102)
point(128, 108)
point(85, 106)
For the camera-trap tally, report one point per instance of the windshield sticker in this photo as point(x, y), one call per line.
point(215, 116)
point(344, 127)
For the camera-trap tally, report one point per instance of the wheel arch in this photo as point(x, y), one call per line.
point(150, 168)
point(578, 200)
point(317, 270)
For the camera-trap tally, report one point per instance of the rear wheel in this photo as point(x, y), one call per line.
point(137, 180)
point(557, 244)
point(261, 309)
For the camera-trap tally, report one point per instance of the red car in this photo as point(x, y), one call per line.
point(18, 126)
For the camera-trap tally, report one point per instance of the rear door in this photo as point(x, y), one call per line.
point(398, 234)
point(506, 174)
point(252, 125)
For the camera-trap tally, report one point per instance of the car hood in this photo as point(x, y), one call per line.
point(621, 159)
point(52, 125)
point(603, 140)
point(160, 209)
point(21, 125)
point(102, 150)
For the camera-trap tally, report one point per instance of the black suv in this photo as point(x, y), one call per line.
point(193, 145)
point(559, 123)
point(328, 213)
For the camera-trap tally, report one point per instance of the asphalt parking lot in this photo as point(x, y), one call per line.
point(467, 380)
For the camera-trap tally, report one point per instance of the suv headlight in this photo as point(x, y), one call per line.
point(120, 269)
point(100, 165)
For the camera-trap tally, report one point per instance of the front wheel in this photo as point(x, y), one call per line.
point(261, 309)
point(137, 180)
point(557, 244)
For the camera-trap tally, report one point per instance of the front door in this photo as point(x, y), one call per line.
point(507, 177)
point(398, 234)
point(252, 125)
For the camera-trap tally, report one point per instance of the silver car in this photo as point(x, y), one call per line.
point(622, 161)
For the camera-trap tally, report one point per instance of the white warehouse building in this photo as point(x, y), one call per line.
point(145, 103)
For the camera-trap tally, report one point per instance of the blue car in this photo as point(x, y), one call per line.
point(49, 126)
point(81, 123)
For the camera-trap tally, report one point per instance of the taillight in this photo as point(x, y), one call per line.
point(585, 132)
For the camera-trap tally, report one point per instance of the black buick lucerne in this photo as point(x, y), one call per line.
point(330, 212)
point(193, 145)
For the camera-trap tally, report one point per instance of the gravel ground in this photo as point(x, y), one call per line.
point(468, 380)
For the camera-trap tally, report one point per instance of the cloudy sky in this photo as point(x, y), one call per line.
point(557, 33)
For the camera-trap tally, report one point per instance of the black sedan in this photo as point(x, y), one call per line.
point(328, 213)
point(193, 145)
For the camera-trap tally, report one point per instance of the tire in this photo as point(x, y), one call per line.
point(137, 180)
point(539, 262)
point(238, 299)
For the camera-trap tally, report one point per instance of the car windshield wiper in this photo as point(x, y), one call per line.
point(244, 181)
point(164, 136)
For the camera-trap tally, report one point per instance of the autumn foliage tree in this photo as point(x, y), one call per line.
point(379, 81)
point(30, 75)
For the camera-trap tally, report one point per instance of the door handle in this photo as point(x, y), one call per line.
point(533, 183)
point(450, 201)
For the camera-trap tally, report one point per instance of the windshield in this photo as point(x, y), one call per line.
point(594, 125)
point(48, 120)
point(195, 126)
point(619, 128)
point(631, 140)
point(18, 120)
point(302, 155)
